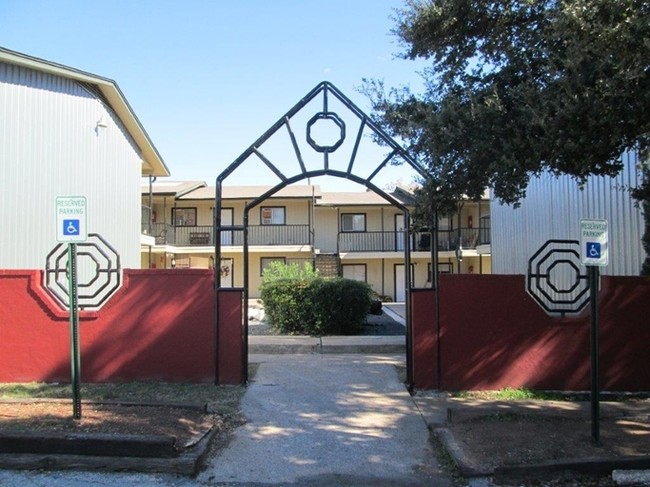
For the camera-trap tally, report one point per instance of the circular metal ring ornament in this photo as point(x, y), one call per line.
point(320, 118)
point(102, 276)
point(554, 278)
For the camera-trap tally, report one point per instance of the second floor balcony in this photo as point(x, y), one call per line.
point(448, 240)
point(203, 235)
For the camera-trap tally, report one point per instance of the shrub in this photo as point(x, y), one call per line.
point(284, 290)
point(283, 304)
point(376, 307)
point(339, 306)
point(280, 270)
point(297, 301)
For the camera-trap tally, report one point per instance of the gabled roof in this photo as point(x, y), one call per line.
point(251, 192)
point(409, 192)
point(153, 163)
point(172, 188)
point(360, 198)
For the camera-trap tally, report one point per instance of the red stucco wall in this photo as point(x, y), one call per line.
point(159, 326)
point(493, 335)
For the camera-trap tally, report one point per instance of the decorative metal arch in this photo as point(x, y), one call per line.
point(324, 89)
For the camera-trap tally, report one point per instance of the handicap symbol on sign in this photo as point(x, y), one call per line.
point(71, 227)
point(593, 250)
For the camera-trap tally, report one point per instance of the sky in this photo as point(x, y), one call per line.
point(207, 78)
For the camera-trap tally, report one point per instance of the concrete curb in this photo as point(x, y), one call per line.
point(394, 315)
point(631, 477)
point(270, 345)
point(94, 444)
point(465, 466)
point(363, 344)
point(594, 466)
point(186, 462)
point(474, 408)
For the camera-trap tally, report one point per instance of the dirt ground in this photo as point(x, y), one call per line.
point(523, 439)
point(487, 439)
point(187, 425)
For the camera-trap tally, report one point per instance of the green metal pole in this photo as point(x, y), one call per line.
point(594, 273)
point(74, 331)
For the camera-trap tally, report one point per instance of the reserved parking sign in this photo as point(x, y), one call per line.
point(71, 219)
point(593, 242)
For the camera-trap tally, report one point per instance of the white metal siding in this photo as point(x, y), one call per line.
point(50, 145)
point(553, 209)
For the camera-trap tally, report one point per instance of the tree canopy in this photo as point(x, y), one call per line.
point(519, 87)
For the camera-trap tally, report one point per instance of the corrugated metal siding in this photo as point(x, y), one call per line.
point(50, 145)
point(553, 209)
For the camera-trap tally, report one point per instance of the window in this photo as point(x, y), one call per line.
point(356, 272)
point(267, 261)
point(184, 217)
point(272, 215)
point(353, 222)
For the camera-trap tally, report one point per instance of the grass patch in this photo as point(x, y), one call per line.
point(223, 399)
point(524, 394)
point(512, 394)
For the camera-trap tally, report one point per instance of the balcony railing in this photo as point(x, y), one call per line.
point(278, 235)
point(164, 233)
point(420, 241)
point(146, 220)
point(203, 235)
point(484, 231)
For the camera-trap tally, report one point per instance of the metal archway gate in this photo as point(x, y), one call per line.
point(232, 303)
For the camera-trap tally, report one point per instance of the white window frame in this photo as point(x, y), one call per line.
point(356, 222)
point(358, 271)
point(275, 215)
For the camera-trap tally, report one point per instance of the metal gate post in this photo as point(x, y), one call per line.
point(229, 338)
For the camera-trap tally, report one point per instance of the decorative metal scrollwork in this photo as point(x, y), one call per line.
point(555, 279)
point(99, 267)
point(322, 118)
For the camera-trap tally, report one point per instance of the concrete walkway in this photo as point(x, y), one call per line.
point(328, 420)
point(313, 420)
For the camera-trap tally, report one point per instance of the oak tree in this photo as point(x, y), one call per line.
point(515, 88)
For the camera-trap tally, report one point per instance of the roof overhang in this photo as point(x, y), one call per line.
point(152, 162)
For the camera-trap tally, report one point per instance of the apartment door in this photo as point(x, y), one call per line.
point(226, 220)
point(399, 232)
point(400, 288)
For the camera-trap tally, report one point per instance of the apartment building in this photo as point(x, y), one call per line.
point(357, 235)
point(66, 132)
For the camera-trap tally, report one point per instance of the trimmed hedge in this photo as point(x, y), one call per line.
point(310, 305)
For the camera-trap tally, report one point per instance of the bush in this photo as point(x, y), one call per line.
point(280, 270)
point(299, 302)
point(339, 306)
point(376, 307)
point(284, 290)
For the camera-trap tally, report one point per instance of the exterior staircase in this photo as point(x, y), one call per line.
point(328, 265)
